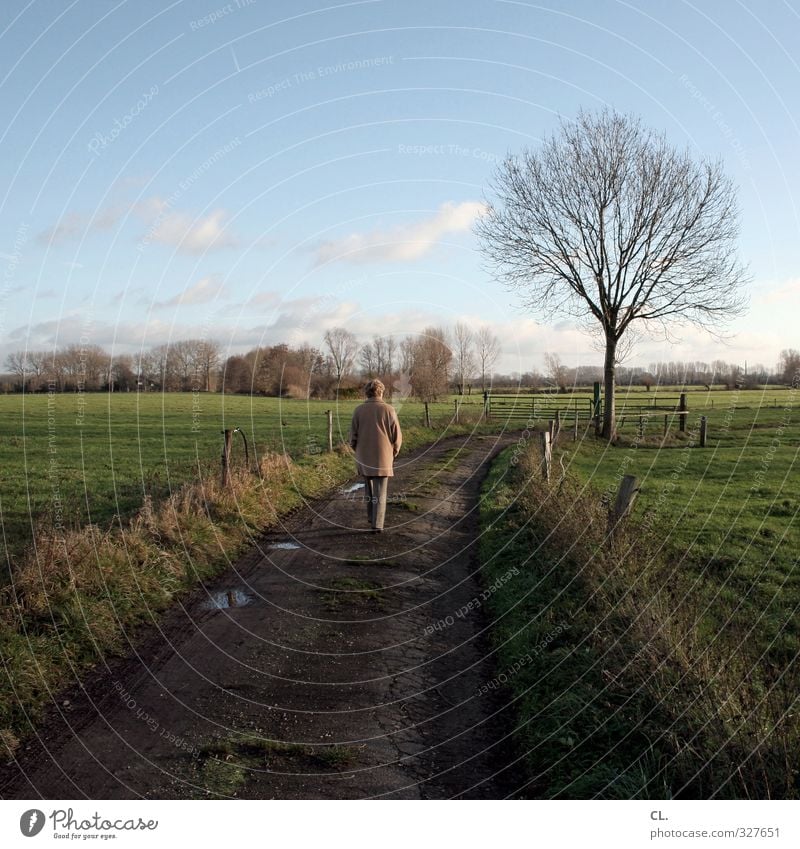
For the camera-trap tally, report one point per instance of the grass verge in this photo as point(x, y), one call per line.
point(619, 689)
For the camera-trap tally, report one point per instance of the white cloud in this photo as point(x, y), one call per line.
point(187, 233)
point(73, 225)
point(404, 243)
point(264, 299)
point(192, 235)
point(206, 289)
point(243, 325)
point(788, 291)
point(69, 227)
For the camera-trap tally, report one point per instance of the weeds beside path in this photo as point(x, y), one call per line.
point(619, 687)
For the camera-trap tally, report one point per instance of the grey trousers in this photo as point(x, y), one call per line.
point(375, 490)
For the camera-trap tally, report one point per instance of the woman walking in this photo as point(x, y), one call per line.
point(376, 437)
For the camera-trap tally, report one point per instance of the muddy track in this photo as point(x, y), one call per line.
point(324, 655)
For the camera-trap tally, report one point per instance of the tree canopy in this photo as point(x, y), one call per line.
point(608, 223)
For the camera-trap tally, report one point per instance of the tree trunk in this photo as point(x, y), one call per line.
point(609, 378)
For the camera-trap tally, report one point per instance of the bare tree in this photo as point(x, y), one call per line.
point(122, 377)
point(207, 359)
point(487, 350)
point(236, 375)
point(17, 364)
point(368, 359)
point(385, 348)
point(84, 367)
point(268, 365)
point(647, 380)
point(431, 359)
point(301, 365)
point(343, 347)
point(388, 364)
point(183, 359)
point(407, 347)
point(377, 359)
point(463, 356)
point(38, 363)
point(157, 368)
point(557, 372)
point(789, 367)
point(608, 223)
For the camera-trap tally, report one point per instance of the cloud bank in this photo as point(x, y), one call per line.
point(404, 243)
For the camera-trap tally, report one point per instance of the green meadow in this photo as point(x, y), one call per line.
point(687, 627)
point(73, 459)
point(726, 515)
point(70, 459)
point(663, 661)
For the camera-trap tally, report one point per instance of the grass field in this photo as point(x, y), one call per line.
point(727, 514)
point(73, 459)
point(678, 669)
point(715, 578)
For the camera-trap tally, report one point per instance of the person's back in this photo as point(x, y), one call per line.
point(376, 431)
point(376, 437)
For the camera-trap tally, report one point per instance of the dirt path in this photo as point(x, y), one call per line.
point(333, 654)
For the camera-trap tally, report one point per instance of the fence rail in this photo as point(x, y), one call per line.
point(536, 407)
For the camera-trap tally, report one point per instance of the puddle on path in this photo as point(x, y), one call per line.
point(354, 488)
point(227, 598)
point(285, 546)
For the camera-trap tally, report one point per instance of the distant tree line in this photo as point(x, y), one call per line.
point(427, 365)
point(560, 378)
point(181, 366)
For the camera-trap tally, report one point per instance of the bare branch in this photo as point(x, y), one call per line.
point(606, 220)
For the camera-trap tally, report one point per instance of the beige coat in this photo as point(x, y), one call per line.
point(376, 437)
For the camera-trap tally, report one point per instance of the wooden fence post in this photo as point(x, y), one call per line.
point(486, 410)
point(666, 425)
point(226, 458)
point(703, 431)
point(547, 454)
point(457, 404)
point(557, 431)
point(329, 414)
point(682, 409)
point(427, 415)
point(576, 424)
point(626, 495)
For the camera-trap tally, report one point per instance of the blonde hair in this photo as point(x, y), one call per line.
point(374, 388)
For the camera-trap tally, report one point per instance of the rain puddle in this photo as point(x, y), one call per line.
point(354, 488)
point(285, 546)
point(227, 598)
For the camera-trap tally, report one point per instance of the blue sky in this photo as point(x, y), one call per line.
point(261, 171)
